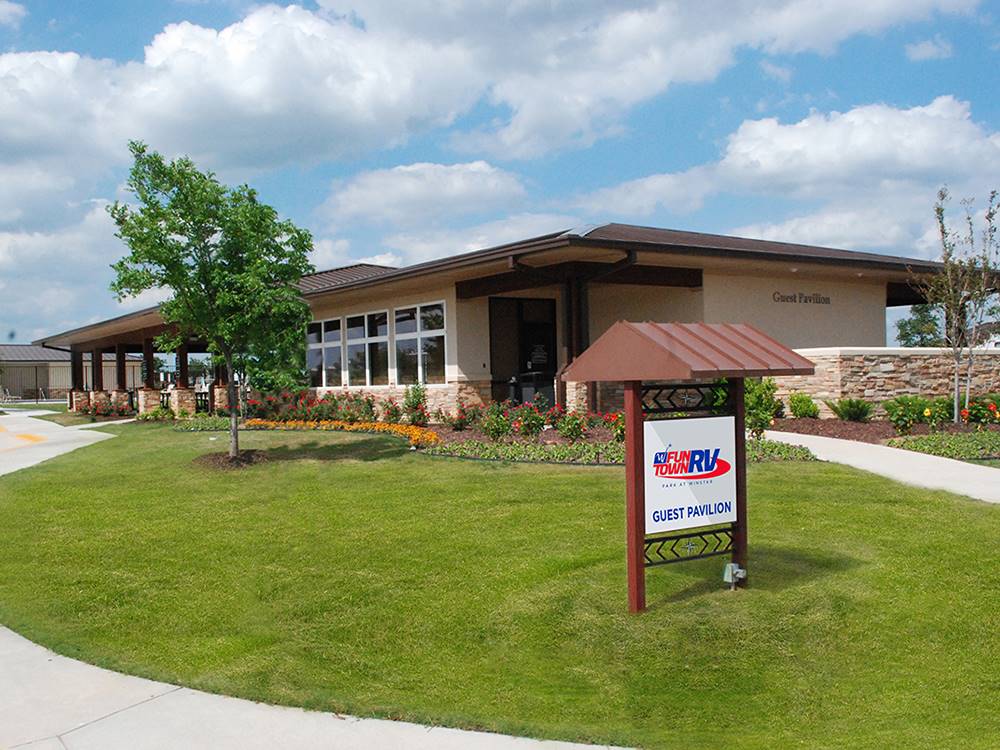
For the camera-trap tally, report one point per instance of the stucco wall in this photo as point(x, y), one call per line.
point(798, 310)
point(613, 302)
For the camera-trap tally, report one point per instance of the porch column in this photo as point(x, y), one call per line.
point(182, 398)
point(576, 305)
point(121, 376)
point(78, 398)
point(219, 390)
point(98, 396)
point(149, 363)
point(182, 366)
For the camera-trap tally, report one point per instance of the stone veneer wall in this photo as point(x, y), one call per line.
point(881, 373)
point(438, 396)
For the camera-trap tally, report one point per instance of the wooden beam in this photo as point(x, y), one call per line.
point(740, 539)
point(635, 499)
point(182, 366)
point(97, 369)
point(76, 370)
point(149, 360)
point(605, 273)
point(898, 294)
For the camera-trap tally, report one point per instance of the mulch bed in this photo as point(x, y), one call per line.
point(876, 431)
point(549, 437)
point(224, 462)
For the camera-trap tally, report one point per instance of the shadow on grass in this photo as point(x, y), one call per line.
point(366, 449)
point(770, 569)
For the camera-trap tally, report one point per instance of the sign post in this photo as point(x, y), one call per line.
point(685, 477)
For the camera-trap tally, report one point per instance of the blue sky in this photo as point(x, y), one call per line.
point(398, 133)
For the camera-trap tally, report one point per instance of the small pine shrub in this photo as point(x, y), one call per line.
point(761, 405)
point(851, 409)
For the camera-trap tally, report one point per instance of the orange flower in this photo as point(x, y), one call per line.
point(419, 437)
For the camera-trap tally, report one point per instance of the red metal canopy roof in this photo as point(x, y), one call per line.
point(684, 351)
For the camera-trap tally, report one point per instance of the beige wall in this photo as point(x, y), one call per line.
point(610, 303)
point(855, 315)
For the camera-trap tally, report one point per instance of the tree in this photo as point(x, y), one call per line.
point(159, 364)
point(965, 289)
point(921, 328)
point(230, 264)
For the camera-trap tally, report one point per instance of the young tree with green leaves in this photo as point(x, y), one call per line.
point(965, 290)
point(230, 264)
point(922, 327)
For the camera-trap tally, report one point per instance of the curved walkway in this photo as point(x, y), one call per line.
point(51, 702)
point(908, 467)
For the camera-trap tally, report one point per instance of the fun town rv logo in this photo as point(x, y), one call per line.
point(699, 463)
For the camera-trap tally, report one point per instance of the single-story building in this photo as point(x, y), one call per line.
point(503, 321)
point(30, 371)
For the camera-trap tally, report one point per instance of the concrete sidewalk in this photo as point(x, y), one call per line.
point(50, 702)
point(908, 467)
point(25, 441)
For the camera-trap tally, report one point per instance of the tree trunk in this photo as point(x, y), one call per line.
point(957, 392)
point(234, 433)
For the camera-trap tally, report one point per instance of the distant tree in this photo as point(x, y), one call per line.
point(230, 264)
point(922, 327)
point(159, 365)
point(965, 290)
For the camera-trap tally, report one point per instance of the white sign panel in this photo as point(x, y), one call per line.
point(690, 473)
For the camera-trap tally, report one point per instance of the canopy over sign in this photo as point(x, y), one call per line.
point(684, 351)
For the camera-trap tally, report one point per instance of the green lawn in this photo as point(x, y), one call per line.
point(350, 574)
point(61, 406)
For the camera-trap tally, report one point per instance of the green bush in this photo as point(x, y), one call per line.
point(159, 414)
point(851, 409)
point(415, 405)
point(963, 446)
point(528, 421)
point(392, 412)
point(760, 450)
point(495, 421)
point(906, 411)
point(572, 425)
point(761, 404)
point(802, 406)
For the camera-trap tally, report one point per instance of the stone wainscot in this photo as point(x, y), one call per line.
point(881, 373)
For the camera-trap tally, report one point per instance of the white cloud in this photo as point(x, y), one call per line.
point(417, 246)
point(778, 72)
point(11, 14)
point(873, 170)
point(144, 299)
point(937, 48)
point(423, 192)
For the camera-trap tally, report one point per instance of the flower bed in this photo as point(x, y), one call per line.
point(595, 452)
point(876, 431)
point(418, 437)
point(967, 446)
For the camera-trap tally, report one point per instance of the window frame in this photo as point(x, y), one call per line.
point(418, 336)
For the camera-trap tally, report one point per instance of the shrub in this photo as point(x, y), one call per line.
point(572, 426)
point(203, 423)
point(415, 405)
point(851, 409)
point(906, 411)
point(495, 421)
point(802, 406)
point(159, 414)
point(461, 418)
point(985, 409)
point(615, 421)
point(761, 405)
point(392, 412)
point(963, 446)
point(760, 450)
point(527, 421)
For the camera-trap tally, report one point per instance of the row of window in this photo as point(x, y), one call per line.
point(354, 351)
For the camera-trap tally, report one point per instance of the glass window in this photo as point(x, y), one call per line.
point(406, 320)
point(331, 331)
point(313, 333)
point(356, 327)
point(333, 366)
point(314, 363)
point(356, 364)
point(407, 372)
point(432, 317)
point(378, 363)
point(378, 324)
point(432, 358)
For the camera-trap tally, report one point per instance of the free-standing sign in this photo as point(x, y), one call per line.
point(690, 473)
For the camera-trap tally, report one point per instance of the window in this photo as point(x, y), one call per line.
point(314, 354)
point(420, 344)
point(333, 364)
point(368, 349)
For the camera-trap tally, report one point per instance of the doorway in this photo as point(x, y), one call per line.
point(523, 356)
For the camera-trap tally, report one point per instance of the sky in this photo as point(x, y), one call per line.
point(400, 132)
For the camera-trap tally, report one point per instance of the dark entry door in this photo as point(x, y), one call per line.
point(523, 348)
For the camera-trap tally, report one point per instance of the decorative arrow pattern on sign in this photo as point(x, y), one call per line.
point(663, 550)
point(671, 399)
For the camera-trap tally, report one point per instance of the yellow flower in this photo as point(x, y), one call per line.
point(927, 411)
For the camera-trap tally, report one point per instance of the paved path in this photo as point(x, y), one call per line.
point(50, 702)
point(25, 441)
point(908, 467)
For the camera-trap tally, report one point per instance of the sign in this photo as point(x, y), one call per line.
point(801, 298)
point(689, 470)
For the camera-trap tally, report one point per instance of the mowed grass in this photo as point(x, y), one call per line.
point(349, 574)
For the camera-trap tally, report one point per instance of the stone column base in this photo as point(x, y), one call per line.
point(182, 399)
point(100, 399)
point(148, 399)
point(79, 400)
point(220, 394)
point(119, 399)
point(576, 396)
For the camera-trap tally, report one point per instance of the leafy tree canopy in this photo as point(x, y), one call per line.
point(921, 328)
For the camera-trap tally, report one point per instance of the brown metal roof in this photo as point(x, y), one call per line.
point(324, 280)
point(33, 353)
point(684, 351)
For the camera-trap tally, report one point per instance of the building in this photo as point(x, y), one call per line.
point(28, 371)
point(501, 322)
